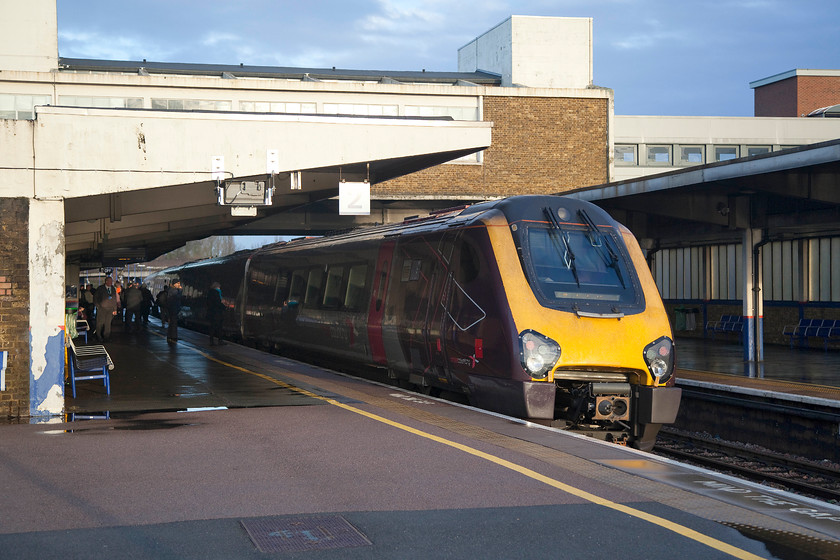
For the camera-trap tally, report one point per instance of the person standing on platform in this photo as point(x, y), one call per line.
point(107, 304)
point(173, 307)
point(215, 312)
point(162, 307)
point(133, 307)
point(148, 303)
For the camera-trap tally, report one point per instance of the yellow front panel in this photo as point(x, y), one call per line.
point(584, 341)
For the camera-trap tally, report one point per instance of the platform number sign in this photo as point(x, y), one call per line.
point(353, 199)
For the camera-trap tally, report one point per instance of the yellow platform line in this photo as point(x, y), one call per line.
point(582, 494)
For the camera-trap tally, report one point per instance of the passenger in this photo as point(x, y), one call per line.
point(133, 307)
point(86, 301)
point(148, 302)
point(120, 304)
point(160, 300)
point(173, 307)
point(106, 303)
point(215, 312)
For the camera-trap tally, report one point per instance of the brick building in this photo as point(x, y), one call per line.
point(796, 93)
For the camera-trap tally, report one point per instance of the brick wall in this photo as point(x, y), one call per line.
point(814, 92)
point(539, 145)
point(796, 96)
point(14, 305)
point(776, 100)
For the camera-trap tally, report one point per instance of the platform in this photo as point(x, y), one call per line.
point(253, 454)
point(805, 373)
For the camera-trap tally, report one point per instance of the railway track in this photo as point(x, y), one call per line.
point(801, 476)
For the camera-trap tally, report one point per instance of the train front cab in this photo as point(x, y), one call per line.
point(595, 345)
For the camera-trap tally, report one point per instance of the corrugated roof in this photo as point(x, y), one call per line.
point(280, 72)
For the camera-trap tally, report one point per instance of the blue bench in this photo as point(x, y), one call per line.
point(726, 324)
point(819, 328)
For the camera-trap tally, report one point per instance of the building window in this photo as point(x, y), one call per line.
point(191, 105)
point(101, 102)
point(276, 107)
point(625, 154)
point(22, 107)
point(361, 109)
point(724, 153)
point(457, 113)
point(659, 155)
point(758, 150)
point(691, 155)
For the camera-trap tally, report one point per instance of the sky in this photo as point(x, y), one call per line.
point(661, 57)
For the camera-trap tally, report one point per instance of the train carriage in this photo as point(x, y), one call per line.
point(540, 307)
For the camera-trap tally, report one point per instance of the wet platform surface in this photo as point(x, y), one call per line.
point(302, 462)
point(803, 372)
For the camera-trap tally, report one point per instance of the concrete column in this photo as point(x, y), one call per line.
point(753, 299)
point(46, 308)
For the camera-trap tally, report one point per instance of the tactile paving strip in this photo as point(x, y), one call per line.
point(784, 544)
point(297, 534)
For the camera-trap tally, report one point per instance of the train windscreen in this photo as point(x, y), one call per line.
point(580, 269)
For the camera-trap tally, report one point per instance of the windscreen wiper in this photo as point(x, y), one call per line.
point(602, 242)
point(557, 230)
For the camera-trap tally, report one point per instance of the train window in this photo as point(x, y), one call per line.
point(281, 290)
point(380, 289)
point(469, 266)
point(354, 297)
point(298, 286)
point(572, 266)
point(411, 270)
point(332, 290)
point(313, 287)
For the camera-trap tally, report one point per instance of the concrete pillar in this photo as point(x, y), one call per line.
point(753, 299)
point(46, 309)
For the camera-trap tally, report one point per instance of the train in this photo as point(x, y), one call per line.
point(536, 306)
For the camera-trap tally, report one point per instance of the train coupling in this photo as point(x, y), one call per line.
point(612, 401)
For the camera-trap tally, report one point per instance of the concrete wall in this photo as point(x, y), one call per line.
point(534, 52)
point(776, 132)
point(29, 36)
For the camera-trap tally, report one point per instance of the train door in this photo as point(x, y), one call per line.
point(438, 316)
point(376, 310)
point(462, 310)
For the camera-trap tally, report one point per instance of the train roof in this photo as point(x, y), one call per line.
point(521, 207)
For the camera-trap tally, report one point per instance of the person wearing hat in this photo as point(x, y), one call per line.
point(173, 306)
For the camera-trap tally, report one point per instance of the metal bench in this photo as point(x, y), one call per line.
point(818, 328)
point(93, 362)
point(726, 324)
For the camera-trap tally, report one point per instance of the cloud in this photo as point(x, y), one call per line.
point(657, 34)
point(76, 44)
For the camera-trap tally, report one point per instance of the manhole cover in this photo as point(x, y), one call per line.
point(295, 534)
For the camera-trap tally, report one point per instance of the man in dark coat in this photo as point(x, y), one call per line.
point(215, 312)
point(173, 307)
point(107, 303)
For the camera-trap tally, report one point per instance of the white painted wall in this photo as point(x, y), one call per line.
point(776, 132)
point(46, 306)
point(534, 51)
point(80, 152)
point(29, 35)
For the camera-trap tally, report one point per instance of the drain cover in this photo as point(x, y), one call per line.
point(295, 534)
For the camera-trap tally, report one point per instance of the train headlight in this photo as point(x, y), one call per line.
point(659, 357)
point(538, 353)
